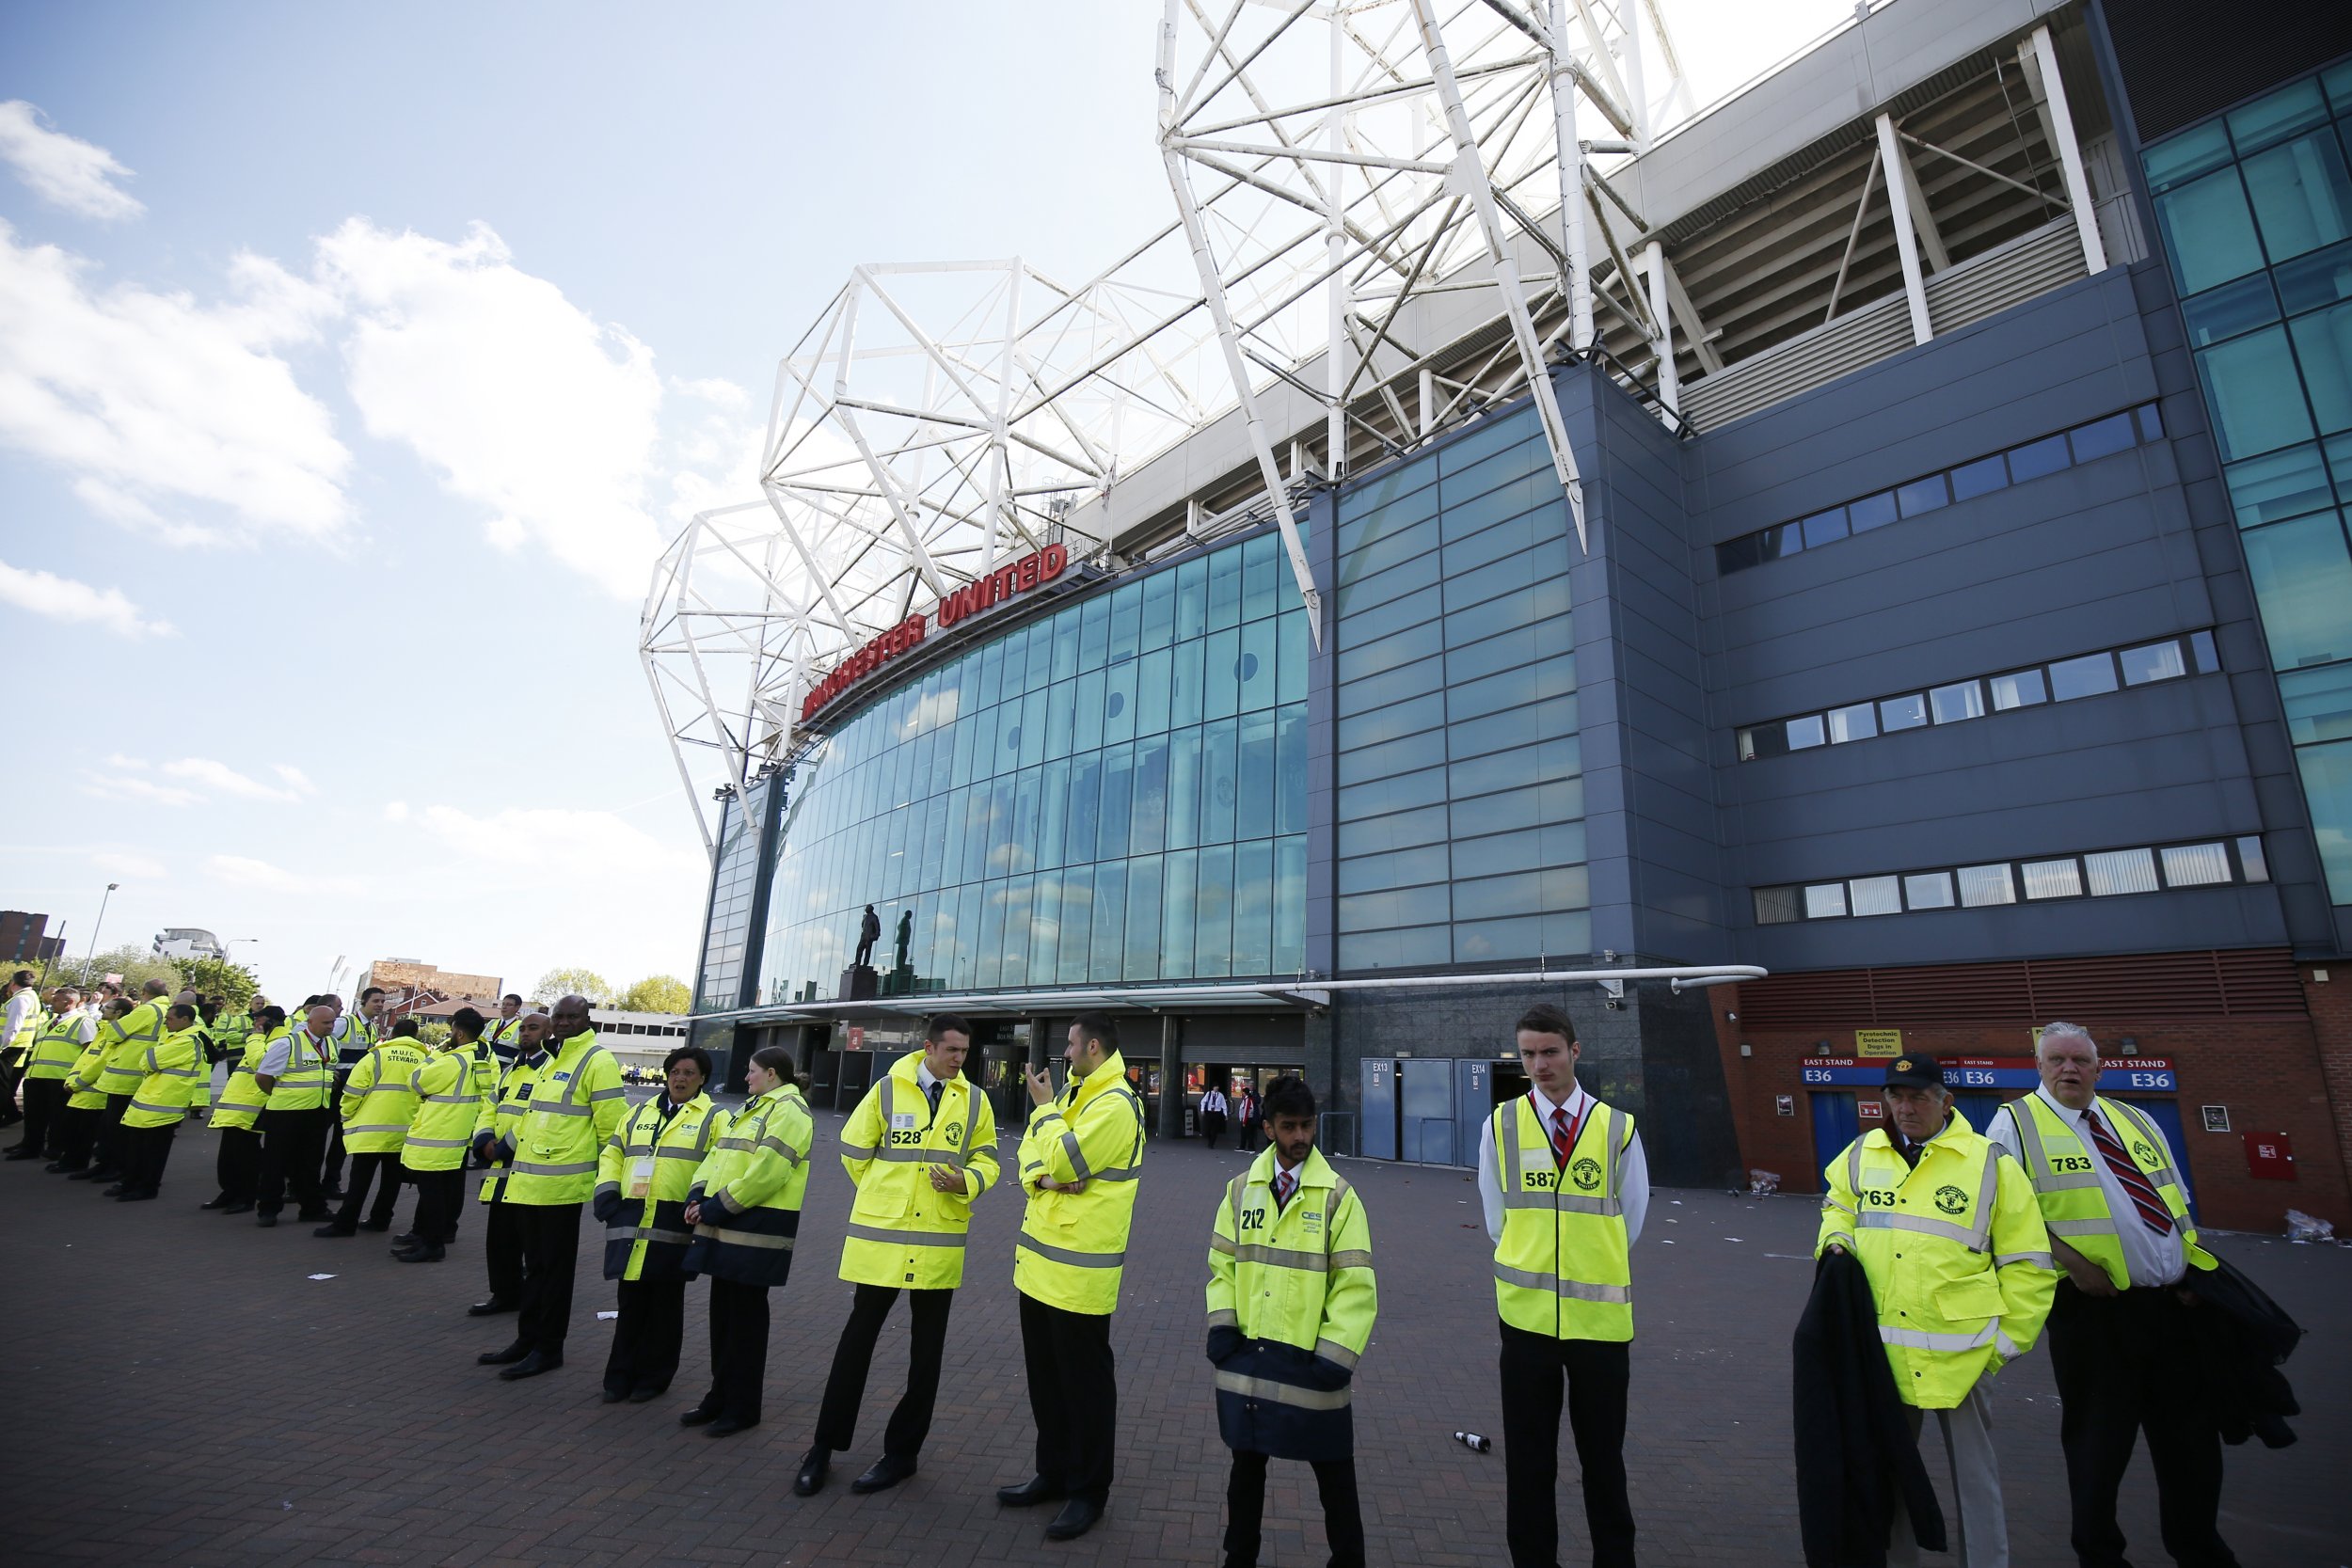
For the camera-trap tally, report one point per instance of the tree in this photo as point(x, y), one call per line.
point(556, 984)
point(233, 983)
point(136, 966)
point(657, 993)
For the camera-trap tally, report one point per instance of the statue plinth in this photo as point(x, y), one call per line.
point(859, 983)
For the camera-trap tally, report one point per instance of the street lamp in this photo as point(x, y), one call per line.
point(93, 955)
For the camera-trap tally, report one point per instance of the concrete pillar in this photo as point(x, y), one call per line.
point(1172, 1078)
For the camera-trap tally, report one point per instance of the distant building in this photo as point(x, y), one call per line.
point(22, 940)
point(188, 941)
point(638, 1039)
point(426, 991)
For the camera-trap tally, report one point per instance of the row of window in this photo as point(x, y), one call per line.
point(2101, 874)
point(2047, 455)
point(2061, 680)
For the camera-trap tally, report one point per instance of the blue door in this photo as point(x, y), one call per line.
point(1834, 1125)
point(1473, 1102)
point(1425, 1098)
point(1376, 1086)
point(1976, 1109)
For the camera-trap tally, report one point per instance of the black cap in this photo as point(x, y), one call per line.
point(1924, 1072)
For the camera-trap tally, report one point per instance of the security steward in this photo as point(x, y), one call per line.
point(451, 1090)
point(1292, 1300)
point(171, 1068)
point(1565, 1186)
point(576, 1100)
point(1080, 1160)
point(293, 1075)
point(493, 1138)
point(920, 1151)
point(237, 1166)
point(61, 1038)
point(121, 1066)
point(642, 1177)
point(1947, 1228)
point(744, 1204)
point(2121, 1331)
point(86, 1103)
point(378, 1103)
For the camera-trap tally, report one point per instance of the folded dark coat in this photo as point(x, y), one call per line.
point(1285, 1402)
point(2243, 1338)
point(1856, 1453)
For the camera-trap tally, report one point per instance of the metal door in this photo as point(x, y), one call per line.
point(1976, 1109)
point(1834, 1125)
point(1425, 1098)
point(1474, 1103)
point(1377, 1093)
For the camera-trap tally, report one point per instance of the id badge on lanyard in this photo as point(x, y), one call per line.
point(641, 1176)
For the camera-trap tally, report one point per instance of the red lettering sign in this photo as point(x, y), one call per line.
point(1030, 571)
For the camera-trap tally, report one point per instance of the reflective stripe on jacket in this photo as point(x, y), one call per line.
point(1297, 1280)
point(379, 1100)
point(576, 1100)
point(1957, 1257)
point(1074, 1243)
point(441, 1126)
point(240, 1098)
point(2065, 1176)
point(58, 1044)
point(125, 1061)
point(503, 1115)
point(1563, 1265)
point(645, 1234)
point(167, 1081)
point(751, 1189)
point(303, 1085)
point(904, 1233)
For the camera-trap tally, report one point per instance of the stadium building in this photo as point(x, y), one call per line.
point(1853, 568)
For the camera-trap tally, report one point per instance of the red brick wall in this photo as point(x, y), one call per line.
point(2291, 1076)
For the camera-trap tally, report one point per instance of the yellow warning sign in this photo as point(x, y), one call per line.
point(1878, 1043)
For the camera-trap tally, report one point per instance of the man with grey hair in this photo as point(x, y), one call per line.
point(2121, 1331)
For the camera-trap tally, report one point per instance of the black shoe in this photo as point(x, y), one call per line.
point(332, 1190)
point(811, 1480)
point(511, 1353)
point(21, 1154)
point(378, 1226)
point(139, 1195)
point(406, 1238)
point(888, 1471)
point(697, 1417)
point(492, 1308)
point(313, 1217)
point(1035, 1490)
point(1077, 1516)
point(419, 1255)
point(645, 1395)
point(58, 1167)
point(727, 1426)
point(266, 1221)
point(238, 1207)
point(531, 1366)
point(85, 1174)
point(104, 1173)
point(215, 1203)
point(334, 1231)
point(115, 1191)
point(615, 1396)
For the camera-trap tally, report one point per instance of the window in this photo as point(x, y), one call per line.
point(1903, 713)
point(1876, 895)
point(2102, 437)
point(1921, 494)
point(2052, 878)
point(1965, 700)
point(1776, 906)
point(1825, 900)
point(2195, 865)
point(1981, 886)
point(2036, 459)
point(2099, 873)
point(1805, 733)
point(1929, 890)
point(2022, 689)
point(1823, 526)
point(1858, 721)
point(2153, 662)
point(1981, 478)
point(2087, 676)
point(2114, 871)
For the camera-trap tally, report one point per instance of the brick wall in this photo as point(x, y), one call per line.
point(2278, 1075)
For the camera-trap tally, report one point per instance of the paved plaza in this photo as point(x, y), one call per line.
point(183, 1393)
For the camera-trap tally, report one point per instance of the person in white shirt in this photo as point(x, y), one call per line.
point(1213, 1110)
point(16, 1041)
point(505, 1034)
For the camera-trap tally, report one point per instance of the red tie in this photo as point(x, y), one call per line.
point(1563, 1134)
point(2151, 1207)
point(1284, 1182)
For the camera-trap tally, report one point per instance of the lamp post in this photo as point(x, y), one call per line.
point(91, 957)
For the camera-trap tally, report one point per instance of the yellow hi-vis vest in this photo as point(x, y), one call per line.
point(303, 1087)
point(15, 1051)
point(1955, 1249)
point(750, 1187)
point(642, 1180)
point(125, 1060)
point(2064, 1170)
point(378, 1101)
point(1564, 1267)
point(83, 1077)
point(1073, 1244)
point(448, 1105)
point(240, 1098)
point(503, 1115)
point(61, 1039)
point(903, 1232)
point(576, 1101)
point(1300, 1273)
point(167, 1085)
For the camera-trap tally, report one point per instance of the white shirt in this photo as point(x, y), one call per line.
point(1213, 1100)
point(2147, 1257)
point(19, 1015)
point(280, 1050)
point(1636, 1197)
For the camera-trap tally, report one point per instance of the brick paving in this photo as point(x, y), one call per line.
point(184, 1394)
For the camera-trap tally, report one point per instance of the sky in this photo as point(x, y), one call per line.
point(357, 362)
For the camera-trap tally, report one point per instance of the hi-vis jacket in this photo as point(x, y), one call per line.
point(751, 1189)
point(58, 1043)
point(1296, 1281)
point(576, 1100)
point(2064, 1171)
point(500, 1117)
point(448, 1100)
point(1957, 1257)
point(303, 1086)
point(642, 1179)
point(88, 1067)
point(379, 1100)
point(903, 1232)
point(1073, 1242)
point(240, 1098)
point(167, 1081)
point(122, 1065)
point(1564, 1263)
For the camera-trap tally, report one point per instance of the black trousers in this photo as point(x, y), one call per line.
point(77, 1133)
point(238, 1165)
point(11, 1073)
point(1074, 1395)
point(381, 1169)
point(549, 1233)
point(439, 1194)
point(1245, 1510)
point(502, 1250)
point(738, 1349)
point(2119, 1364)
point(145, 1153)
point(291, 1141)
point(845, 1389)
point(331, 1159)
point(45, 1115)
point(1212, 1127)
point(1596, 1373)
point(107, 1152)
point(648, 1337)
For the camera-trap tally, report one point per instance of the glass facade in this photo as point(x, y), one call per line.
point(734, 887)
point(1116, 792)
point(2256, 212)
point(1461, 795)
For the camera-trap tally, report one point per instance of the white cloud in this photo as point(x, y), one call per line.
point(716, 390)
point(243, 871)
point(141, 867)
point(154, 402)
point(222, 779)
point(521, 401)
point(64, 171)
point(64, 599)
point(395, 811)
point(297, 778)
point(560, 843)
point(108, 787)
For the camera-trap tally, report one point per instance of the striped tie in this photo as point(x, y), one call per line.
point(2151, 1207)
point(1284, 1182)
point(1563, 1134)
